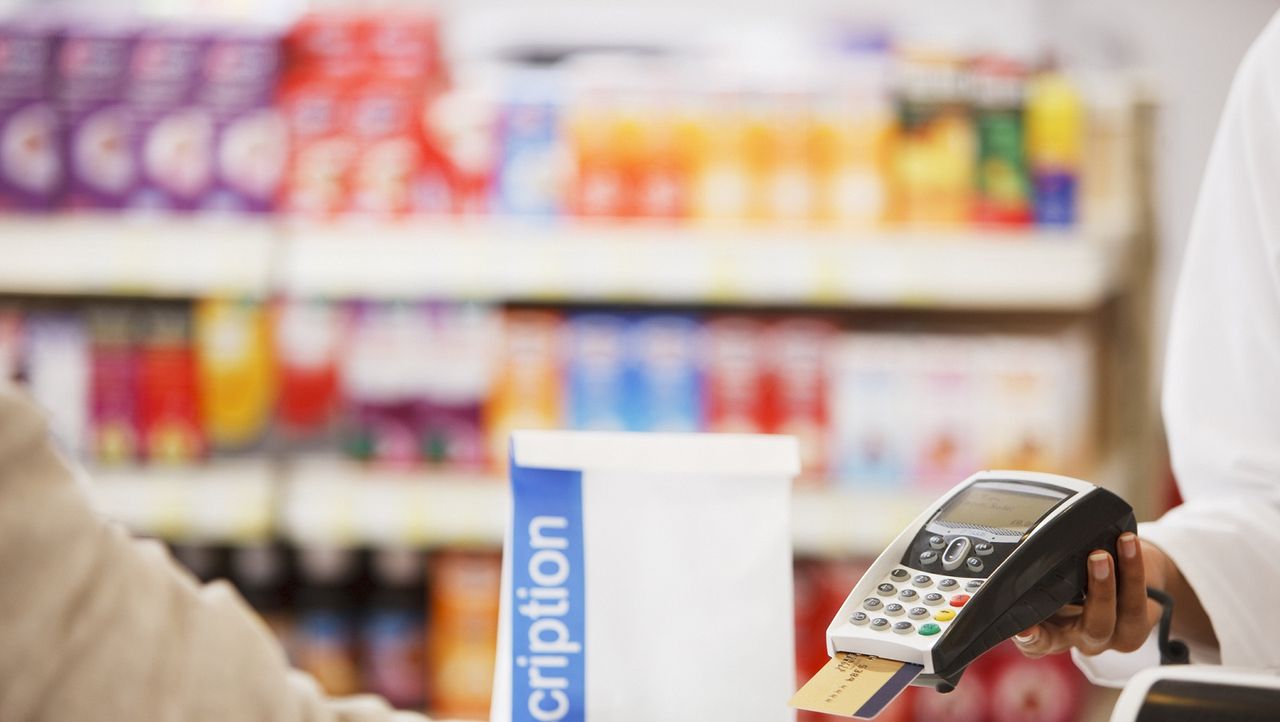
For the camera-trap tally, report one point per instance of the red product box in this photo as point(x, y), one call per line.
point(168, 393)
point(404, 46)
point(328, 44)
point(321, 154)
point(382, 124)
point(734, 361)
point(794, 386)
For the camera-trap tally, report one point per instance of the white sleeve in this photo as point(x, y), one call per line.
point(1222, 383)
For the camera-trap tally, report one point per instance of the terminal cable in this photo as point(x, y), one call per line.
point(1172, 651)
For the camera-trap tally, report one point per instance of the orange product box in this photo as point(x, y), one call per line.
point(236, 372)
point(720, 176)
point(463, 633)
point(529, 389)
point(598, 186)
point(663, 172)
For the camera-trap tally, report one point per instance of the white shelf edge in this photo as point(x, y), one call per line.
point(567, 262)
point(961, 268)
point(169, 257)
point(336, 502)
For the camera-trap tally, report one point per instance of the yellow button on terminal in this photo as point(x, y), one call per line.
point(946, 615)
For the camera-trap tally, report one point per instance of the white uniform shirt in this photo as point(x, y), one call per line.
point(1222, 386)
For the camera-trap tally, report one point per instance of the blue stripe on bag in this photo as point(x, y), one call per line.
point(548, 633)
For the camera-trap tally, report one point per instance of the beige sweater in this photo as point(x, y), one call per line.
point(97, 626)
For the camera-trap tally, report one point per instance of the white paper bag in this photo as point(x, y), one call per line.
point(647, 577)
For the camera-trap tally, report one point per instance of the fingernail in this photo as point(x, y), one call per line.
point(1098, 565)
point(1025, 638)
point(1128, 545)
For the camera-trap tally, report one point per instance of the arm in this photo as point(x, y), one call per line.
point(94, 625)
point(1222, 415)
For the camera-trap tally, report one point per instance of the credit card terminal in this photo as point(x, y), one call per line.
point(1001, 552)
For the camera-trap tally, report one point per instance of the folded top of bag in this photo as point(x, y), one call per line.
point(705, 454)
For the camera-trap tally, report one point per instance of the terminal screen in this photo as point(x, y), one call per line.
point(998, 508)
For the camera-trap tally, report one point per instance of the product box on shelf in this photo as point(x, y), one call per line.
point(57, 365)
point(871, 425)
point(239, 74)
point(93, 79)
point(795, 387)
point(113, 335)
point(734, 364)
point(237, 379)
point(529, 177)
point(308, 338)
point(320, 153)
point(528, 390)
point(325, 642)
point(459, 366)
point(462, 645)
point(664, 378)
point(944, 398)
point(383, 125)
point(934, 157)
point(596, 371)
point(1003, 187)
point(31, 162)
point(385, 386)
point(169, 421)
point(393, 629)
point(174, 138)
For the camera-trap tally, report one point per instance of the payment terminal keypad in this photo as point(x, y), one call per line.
point(930, 611)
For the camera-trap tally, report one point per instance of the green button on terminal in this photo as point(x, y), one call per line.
point(928, 630)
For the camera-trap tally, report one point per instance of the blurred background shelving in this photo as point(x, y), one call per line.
point(299, 371)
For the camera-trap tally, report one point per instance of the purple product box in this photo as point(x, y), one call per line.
point(173, 142)
point(31, 166)
point(239, 76)
point(92, 72)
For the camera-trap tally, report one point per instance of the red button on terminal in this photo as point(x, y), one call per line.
point(959, 600)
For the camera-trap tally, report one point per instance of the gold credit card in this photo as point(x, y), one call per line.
point(855, 685)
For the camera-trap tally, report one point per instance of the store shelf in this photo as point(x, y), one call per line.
point(340, 502)
point(142, 256)
point(334, 502)
point(331, 501)
point(568, 262)
point(227, 502)
point(644, 263)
